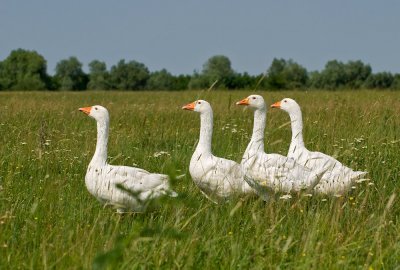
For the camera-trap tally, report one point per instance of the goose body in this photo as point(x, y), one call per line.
point(216, 177)
point(126, 188)
point(339, 178)
point(272, 172)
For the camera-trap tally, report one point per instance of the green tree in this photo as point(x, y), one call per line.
point(181, 82)
point(242, 81)
point(380, 80)
point(1, 76)
point(337, 75)
point(161, 80)
point(332, 77)
point(216, 69)
point(198, 81)
point(69, 74)
point(356, 72)
point(396, 82)
point(129, 76)
point(284, 74)
point(98, 76)
point(24, 70)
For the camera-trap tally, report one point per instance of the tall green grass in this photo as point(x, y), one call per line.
point(49, 220)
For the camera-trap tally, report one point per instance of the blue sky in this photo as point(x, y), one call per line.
point(181, 35)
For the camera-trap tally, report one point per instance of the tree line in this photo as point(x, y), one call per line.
point(27, 70)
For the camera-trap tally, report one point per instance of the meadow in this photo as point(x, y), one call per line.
point(48, 219)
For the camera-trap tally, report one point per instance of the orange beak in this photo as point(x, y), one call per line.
point(189, 107)
point(276, 105)
point(243, 102)
point(86, 110)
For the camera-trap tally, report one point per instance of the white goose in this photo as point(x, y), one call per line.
point(217, 178)
point(275, 172)
point(107, 182)
point(336, 180)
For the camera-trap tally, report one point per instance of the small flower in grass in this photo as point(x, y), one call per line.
point(160, 153)
point(180, 176)
point(285, 197)
point(23, 143)
point(361, 180)
point(351, 198)
point(230, 233)
point(323, 200)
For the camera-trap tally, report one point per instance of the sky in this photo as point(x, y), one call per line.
point(181, 36)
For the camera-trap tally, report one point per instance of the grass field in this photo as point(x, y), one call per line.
point(49, 220)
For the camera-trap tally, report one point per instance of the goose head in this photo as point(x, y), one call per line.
point(256, 102)
point(99, 113)
point(200, 106)
point(287, 104)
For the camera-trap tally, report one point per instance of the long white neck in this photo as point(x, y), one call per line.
point(297, 128)
point(100, 155)
point(206, 129)
point(257, 138)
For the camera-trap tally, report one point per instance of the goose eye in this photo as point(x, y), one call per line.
point(285, 101)
point(95, 108)
point(254, 97)
point(199, 102)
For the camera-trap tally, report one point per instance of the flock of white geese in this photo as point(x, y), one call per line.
point(129, 188)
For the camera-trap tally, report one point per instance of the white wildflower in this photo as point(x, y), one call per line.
point(362, 180)
point(285, 197)
point(264, 183)
point(180, 176)
point(158, 154)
